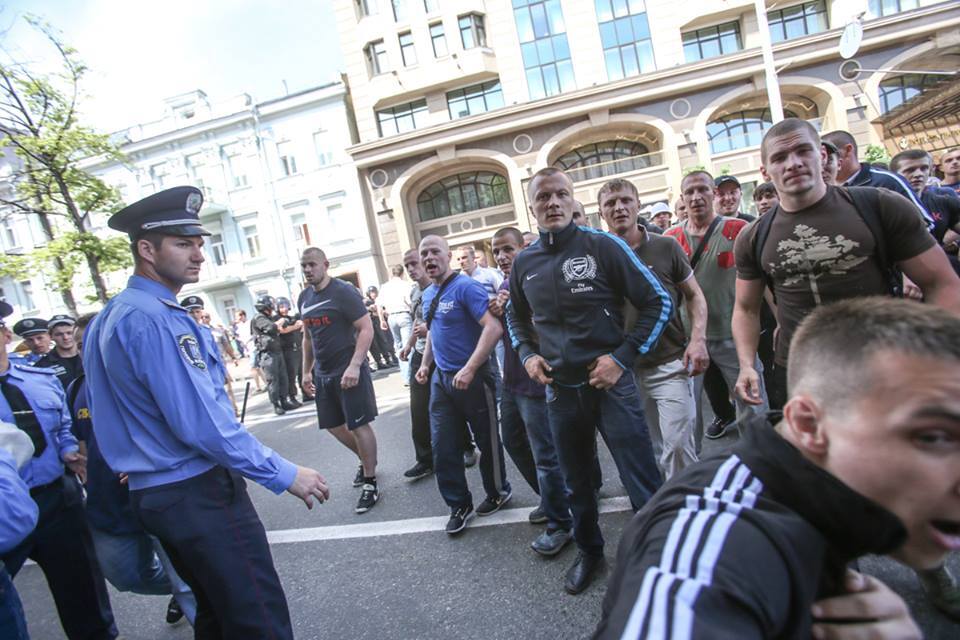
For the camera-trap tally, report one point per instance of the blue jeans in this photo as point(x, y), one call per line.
point(13, 626)
point(527, 438)
point(451, 410)
point(576, 413)
point(136, 562)
point(401, 326)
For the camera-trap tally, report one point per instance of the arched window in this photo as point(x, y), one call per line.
point(898, 89)
point(602, 159)
point(740, 129)
point(461, 193)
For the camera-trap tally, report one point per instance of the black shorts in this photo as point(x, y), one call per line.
point(353, 407)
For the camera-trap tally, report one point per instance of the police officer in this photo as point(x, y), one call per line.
point(159, 420)
point(35, 335)
point(291, 341)
point(18, 517)
point(217, 368)
point(32, 399)
point(64, 358)
point(266, 332)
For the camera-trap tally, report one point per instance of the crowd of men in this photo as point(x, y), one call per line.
point(827, 332)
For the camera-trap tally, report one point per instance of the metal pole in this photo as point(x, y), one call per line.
point(243, 410)
point(770, 70)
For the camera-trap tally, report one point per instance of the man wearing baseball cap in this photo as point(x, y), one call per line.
point(729, 194)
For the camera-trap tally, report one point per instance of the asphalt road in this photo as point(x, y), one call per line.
point(392, 573)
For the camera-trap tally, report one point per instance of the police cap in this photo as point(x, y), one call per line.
point(5, 309)
point(172, 212)
point(61, 318)
point(30, 327)
point(192, 302)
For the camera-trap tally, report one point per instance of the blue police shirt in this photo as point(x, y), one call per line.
point(43, 391)
point(29, 358)
point(18, 511)
point(455, 328)
point(154, 402)
point(218, 370)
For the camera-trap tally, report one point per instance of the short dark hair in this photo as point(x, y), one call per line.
point(840, 138)
point(831, 353)
point(155, 238)
point(764, 188)
point(86, 319)
point(697, 172)
point(513, 232)
point(782, 128)
point(910, 154)
point(617, 184)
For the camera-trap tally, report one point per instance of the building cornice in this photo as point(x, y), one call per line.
point(652, 86)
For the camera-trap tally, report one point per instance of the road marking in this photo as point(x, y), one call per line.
point(308, 411)
point(415, 525)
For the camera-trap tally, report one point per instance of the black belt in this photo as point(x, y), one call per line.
point(35, 491)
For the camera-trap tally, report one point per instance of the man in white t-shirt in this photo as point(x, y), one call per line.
point(394, 302)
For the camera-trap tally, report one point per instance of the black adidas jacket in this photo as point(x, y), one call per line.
point(740, 546)
point(566, 299)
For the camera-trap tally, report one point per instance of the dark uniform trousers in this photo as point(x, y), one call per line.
point(275, 372)
point(217, 544)
point(420, 414)
point(292, 362)
point(62, 546)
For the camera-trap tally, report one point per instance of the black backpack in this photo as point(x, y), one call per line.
point(866, 201)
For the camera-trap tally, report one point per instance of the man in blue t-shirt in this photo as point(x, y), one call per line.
point(461, 334)
point(338, 332)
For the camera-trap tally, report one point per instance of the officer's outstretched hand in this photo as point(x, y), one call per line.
point(604, 372)
point(869, 610)
point(77, 463)
point(537, 368)
point(309, 484)
point(307, 383)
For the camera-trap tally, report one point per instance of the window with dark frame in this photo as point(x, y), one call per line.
point(478, 98)
point(544, 47)
point(399, 8)
point(880, 8)
point(625, 36)
point(408, 52)
point(797, 21)
point(897, 89)
point(376, 54)
point(462, 193)
point(402, 118)
point(472, 32)
point(438, 40)
point(711, 42)
point(740, 129)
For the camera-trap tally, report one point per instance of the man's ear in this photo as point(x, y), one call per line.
point(763, 172)
point(803, 418)
point(146, 250)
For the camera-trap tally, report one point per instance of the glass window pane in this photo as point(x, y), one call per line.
point(545, 50)
point(524, 25)
point(567, 80)
point(624, 31)
point(637, 6)
point(691, 52)
point(608, 34)
point(530, 56)
point(555, 16)
point(551, 82)
point(539, 16)
point(729, 43)
point(475, 104)
point(620, 8)
point(495, 99)
point(631, 67)
point(641, 28)
point(710, 48)
point(560, 49)
point(535, 83)
point(604, 11)
point(614, 68)
point(645, 54)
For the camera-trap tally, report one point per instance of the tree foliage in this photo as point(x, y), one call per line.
point(40, 125)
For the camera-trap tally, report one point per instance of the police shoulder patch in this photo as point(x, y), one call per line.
point(29, 368)
point(190, 349)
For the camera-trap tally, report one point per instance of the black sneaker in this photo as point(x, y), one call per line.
point(418, 471)
point(492, 505)
point(279, 410)
point(458, 520)
point(358, 479)
point(368, 498)
point(174, 612)
point(716, 429)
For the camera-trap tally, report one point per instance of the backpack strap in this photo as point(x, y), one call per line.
point(866, 200)
point(760, 234)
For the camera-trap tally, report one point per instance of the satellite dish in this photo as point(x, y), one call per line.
point(850, 39)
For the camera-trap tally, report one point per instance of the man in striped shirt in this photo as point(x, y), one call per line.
point(866, 459)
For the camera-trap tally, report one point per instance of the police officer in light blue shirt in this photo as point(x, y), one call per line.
point(218, 370)
point(36, 335)
point(33, 399)
point(18, 517)
point(158, 419)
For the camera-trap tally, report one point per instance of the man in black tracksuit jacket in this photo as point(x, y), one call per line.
point(564, 317)
point(743, 544)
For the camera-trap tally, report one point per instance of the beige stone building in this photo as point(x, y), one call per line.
point(459, 102)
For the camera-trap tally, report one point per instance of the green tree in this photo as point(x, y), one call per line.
point(876, 153)
point(39, 124)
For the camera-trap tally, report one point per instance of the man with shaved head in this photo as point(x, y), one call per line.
point(461, 334)
point(566, 323)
